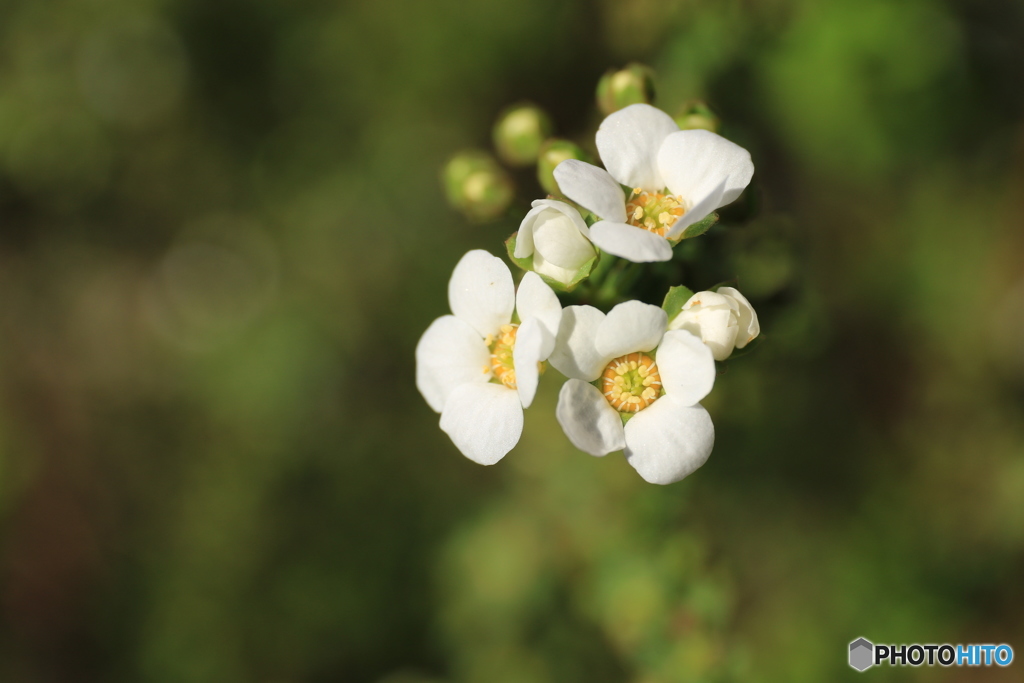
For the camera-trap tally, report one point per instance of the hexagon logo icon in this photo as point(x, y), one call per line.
point(861, 654)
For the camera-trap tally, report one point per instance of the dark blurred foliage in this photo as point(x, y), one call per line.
point(222, 232)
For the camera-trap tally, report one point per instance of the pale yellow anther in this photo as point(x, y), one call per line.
point(654, 211)
point(648, 381)
point(489, 339)
point(501, 355)
point(649, 394)
point(621, 369)
point(632, 365)
point(643, 371)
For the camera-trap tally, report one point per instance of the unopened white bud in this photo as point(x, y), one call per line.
point(724, 320)
point(556, 236)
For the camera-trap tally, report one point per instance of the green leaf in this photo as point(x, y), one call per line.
point(527, 264)
point(700, 227)
point(674, 300)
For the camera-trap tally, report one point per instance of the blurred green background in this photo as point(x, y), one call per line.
point(222, 232)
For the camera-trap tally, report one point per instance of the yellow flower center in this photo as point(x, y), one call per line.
point(631, 382)
point(501, 355)
point(653, 211)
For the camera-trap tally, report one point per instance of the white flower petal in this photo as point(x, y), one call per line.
point(568, 209)
point(557, 273)
point(709, 299)
point(697, 212)
point(630, 326)
point(524, 236)
point(591, 187)
point(561, 242)
point(687, 367)
point(575, 354)
point(716, 327)
point(669, 440)
point(481, 292)
point(591, 424)
point(484, 421)
point(546, 208)
point(536, 300)
point(628, 142)
point(749, 327)
point(630, 242)
point(533, 344)
point(694, 162)
point(448, 354)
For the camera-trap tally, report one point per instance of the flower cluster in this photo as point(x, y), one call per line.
point(635, 375)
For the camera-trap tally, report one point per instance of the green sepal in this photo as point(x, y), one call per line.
point(724, 283)
point(527, 264)
point(674, 300)
point(699, 228)
point(739, 353)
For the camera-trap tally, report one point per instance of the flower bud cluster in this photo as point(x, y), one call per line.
point(635, 373)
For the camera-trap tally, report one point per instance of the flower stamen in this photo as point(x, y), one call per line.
point(501, 355)
point(631, 383)
point(653, 211)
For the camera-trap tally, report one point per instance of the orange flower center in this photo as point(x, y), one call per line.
point(631, 382)
point(653, 211)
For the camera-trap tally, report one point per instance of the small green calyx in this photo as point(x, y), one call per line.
point(519, 133)
point(477, 186)
point(695, 115)
point(618, 89)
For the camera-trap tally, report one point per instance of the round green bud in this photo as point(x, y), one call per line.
point(552, 153)
point(476, 185)
point(697, 114)
point(519, 132)
point(620, 88)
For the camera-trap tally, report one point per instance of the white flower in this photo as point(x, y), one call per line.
point(477, 368)
point(724, 320)
point(556, 236)
point(677, 177)
point(654, 376)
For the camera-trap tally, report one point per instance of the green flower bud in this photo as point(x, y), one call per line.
point(554, 152)
point(697, 114)
point(519, 132)
point(477, 185)
point(620, 88)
